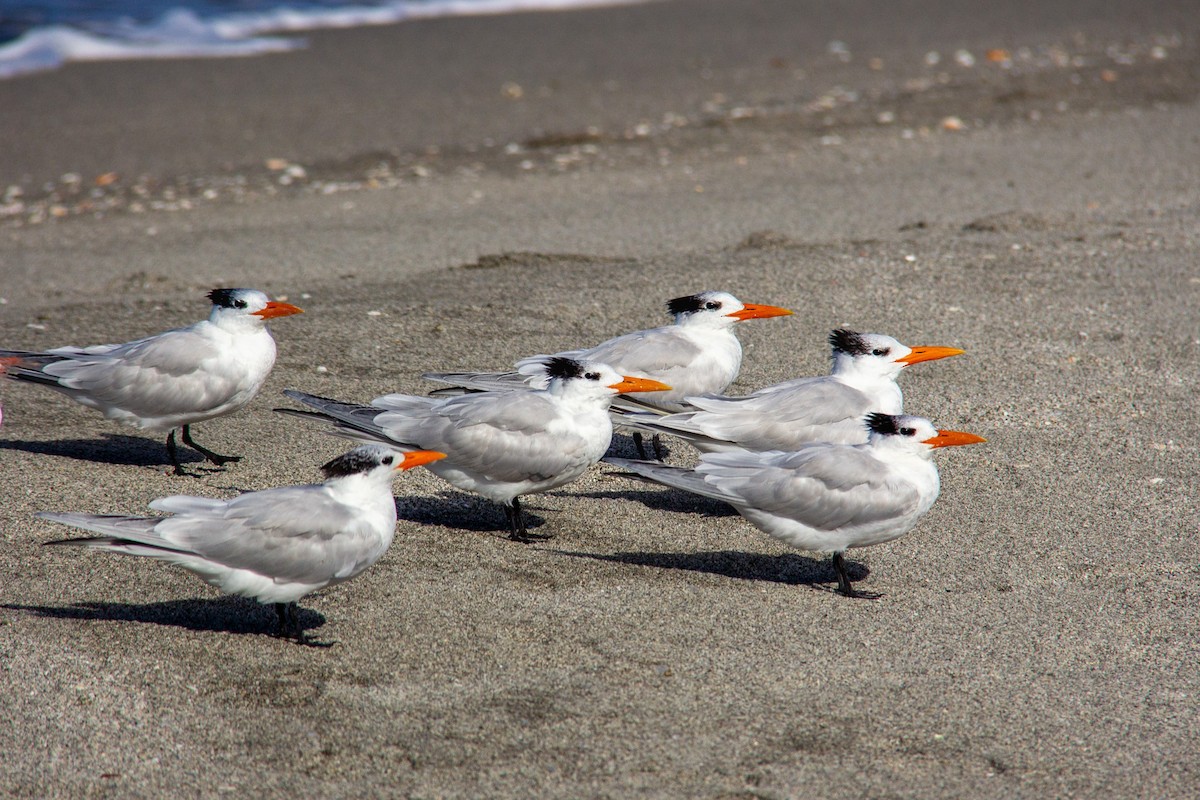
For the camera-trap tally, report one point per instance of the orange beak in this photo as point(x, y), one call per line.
point(275, 309)
point(920, 354)
point(953, 438)
point(419, 458)
point(630, 385)
point(752, 311)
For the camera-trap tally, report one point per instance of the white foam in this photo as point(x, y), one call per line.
point(178, 34)
point(182, 34)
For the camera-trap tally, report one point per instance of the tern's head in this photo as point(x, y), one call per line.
point(578, 378)
point(718, 310)
point(874, 354)
point(913, 434)
point(374, 461)
point(246, 307)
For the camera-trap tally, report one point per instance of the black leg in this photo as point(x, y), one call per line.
point(844, 586)
point(215, 458)
point(658, 448)
point(641, 445)
point(285, 622)
point(516, 524)
point(516, 521)
point(289, 626)
point(173, 454)
point(516, 518)
point(839, 564)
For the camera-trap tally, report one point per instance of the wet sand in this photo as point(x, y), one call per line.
point(471, 191)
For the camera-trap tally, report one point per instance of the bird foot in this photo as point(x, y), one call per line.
point(525, 537)
point(306, 641)
point(860, 594)
point(178, 471)
point(289, 627)
point(215, 458)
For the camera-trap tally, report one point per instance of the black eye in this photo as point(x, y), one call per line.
point(881, 351)
point(239, 303)
point(592, 376)
point(908, 431)
point(712, 305)
point(388, 460)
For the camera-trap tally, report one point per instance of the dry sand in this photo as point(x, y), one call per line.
point(1037, 634)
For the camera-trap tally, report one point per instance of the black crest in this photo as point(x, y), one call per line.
point(884, 424)
point(227, 298)
point(849, 342)
point(358, 461)
point(685, 305)
point(563, 368)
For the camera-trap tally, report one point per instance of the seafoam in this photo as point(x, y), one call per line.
point(183, 33)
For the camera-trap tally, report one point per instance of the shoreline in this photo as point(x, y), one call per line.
point(62, 138)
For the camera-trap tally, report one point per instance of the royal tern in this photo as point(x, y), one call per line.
point(498, 444)
point(825, 497)
point(698, 354)
point(275, 545)
point(784, 416)
point(173, 379)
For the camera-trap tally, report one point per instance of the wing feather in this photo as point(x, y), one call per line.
point(826, 487)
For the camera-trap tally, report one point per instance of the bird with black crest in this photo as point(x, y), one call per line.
point(171, 380)
point(698, 353)
point(825, 497)
point(275, 545)
point(501, 445)
point(784, 416)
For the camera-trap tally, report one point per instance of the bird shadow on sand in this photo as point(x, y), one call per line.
point(792, 569)
point(221, 615)
point(112, 448)
point(460, 511)
point(662, 498)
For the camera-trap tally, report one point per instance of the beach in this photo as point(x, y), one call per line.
point(455, 194)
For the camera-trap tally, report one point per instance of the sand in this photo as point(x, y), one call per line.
point(466, 192)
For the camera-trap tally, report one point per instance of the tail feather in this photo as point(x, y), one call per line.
point(118, 533)
point(478, 381)
point(635, 404)
point(676, 477)
point(453, 391)
point(671, 425)
point(22, 365)
point(350, 420)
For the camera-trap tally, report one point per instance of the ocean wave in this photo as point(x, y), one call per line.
point(181, 33)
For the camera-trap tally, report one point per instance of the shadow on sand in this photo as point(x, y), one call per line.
point(222, 614)
point(111, 448)
point(461, 511)
point(663, 498)
point(792, 569)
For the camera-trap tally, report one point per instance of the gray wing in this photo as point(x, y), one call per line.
point(779, 418)
point(506, 436)
point(827, 487)
point(154, 377)
point(650, 352)
point(292, 534)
